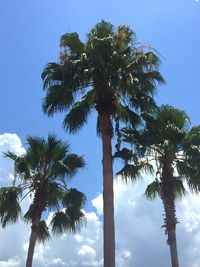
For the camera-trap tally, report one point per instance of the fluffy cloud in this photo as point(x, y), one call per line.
point(140, 240)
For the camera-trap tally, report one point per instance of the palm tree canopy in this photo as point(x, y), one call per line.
point(44, 171)
point(163, 137)
point(110, 72)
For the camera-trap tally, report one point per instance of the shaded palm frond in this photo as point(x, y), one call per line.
point(79, 113)
point(133, 172)
point(58, 99)
point(9, 205)
point(59, 223)
point(72, 44)
point(43, 234)
point(74, 198)
point(179, 188)
point(71, 165)
point(153, 190)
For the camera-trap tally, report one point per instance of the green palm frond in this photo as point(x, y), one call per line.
point(54, 195)
point(193, 180)
point(76, 219)
point(43, 234)
point(58, 98)
point(72, 44)
point(9, 205)
point(179, 188)
point(79, 113)
point(127, 115)
point(191, 142)
point(71, 165)
point(153, 190)
point(125, 154)
point(20, 165)
point(72, 218)
point(133, 172)
point(11, 155)
point(74, 198)
point(101, 30)
point(51, 75)
point(28, 216)
point(59, 223)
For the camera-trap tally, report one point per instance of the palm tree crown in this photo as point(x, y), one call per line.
point(44, 171)
point(112, 72)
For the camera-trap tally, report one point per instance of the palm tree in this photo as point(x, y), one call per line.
point(108, 73)
point(44, 172)
point(162, 142)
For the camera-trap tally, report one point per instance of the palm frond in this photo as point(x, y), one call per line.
point(72, 163)
point(130, 172)
point(128, 116)
point(76, 219)
point(153, 190)
point(43, 234)
point(74, 201)
point(59, 223)
point(28, 216)
point(72, 44)
point(54, 195)
point(101, 30)
point(9, 205)
point(74, 198)
point(179, 189)
point(124, 154)
point(79, 113)
point(51, 75)
point(58, 98)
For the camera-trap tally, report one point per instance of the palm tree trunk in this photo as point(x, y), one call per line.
point(39, 203)
point(168, 198)
point(173, 247)
point(32, 242)
point(108, 196)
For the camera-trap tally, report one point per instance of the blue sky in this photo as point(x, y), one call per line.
point(30, 33)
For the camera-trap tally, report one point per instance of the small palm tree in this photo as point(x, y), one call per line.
point(162, 142)
point(108, 73)
point(44, 171)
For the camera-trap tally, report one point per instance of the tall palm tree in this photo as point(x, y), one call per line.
point(44, 172)
point(162, 142)
point(108, 73)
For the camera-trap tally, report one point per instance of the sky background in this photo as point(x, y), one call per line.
point(30, 32)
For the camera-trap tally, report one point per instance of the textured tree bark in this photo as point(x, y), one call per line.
point(168, 198)
point(32, 243)
point(108, 196)
point(40, 203)
point(173, 247)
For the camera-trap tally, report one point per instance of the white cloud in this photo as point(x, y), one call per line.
point(140, 241)
point(56, 262)
point(87, 250)
point(13, 143)
point(10, 263)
